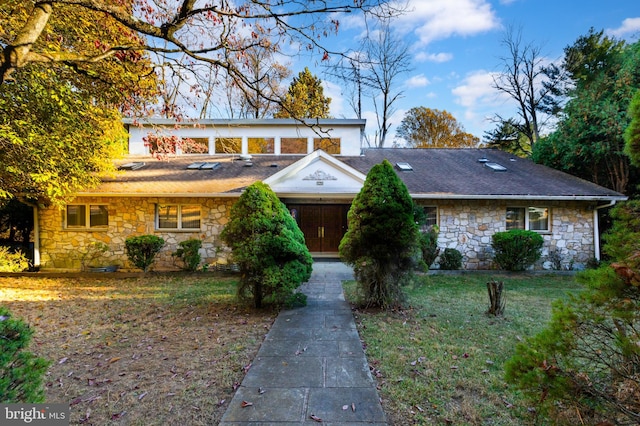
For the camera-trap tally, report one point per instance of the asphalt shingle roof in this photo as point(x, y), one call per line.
point(458, 172)
point(436, 172)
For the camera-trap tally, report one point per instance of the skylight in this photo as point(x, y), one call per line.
point(495, 167)
point(405, 167)
point(132, 166)
point(203, 166)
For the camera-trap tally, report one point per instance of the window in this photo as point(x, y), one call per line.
point(293, 146)
point(80, 216)
point(531, 218)
point(328, 145)
point(174, 216)
point(261, 145)
point(430, 217)
point(197, 146)
point(228, 145)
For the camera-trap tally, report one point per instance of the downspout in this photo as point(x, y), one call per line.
point(596, 228)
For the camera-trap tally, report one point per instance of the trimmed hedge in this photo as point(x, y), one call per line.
point(517, 249)
point(142, 250)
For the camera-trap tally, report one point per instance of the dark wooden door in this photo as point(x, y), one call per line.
point(323, 225)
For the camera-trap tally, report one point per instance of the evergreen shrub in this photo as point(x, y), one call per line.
point(451, 259)
point(429, 246)
point(381, 243)
point(517, 249)
point(21, 372)
point(142, 250)
point(188, 252)
point(268, 247)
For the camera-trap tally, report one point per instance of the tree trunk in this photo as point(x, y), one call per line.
point(16, 54)
point(496, 302)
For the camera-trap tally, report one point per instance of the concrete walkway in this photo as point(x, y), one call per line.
point(311, 366)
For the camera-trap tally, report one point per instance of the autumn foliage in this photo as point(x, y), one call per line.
point(424, 127)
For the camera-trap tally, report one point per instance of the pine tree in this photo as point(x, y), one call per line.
point(381, 242)
point(268, 246)
point(305, 98)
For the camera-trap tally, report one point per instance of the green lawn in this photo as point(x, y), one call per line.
point(441, 360)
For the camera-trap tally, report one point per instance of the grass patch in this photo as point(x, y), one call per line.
point(441, 360)
point(154, 350)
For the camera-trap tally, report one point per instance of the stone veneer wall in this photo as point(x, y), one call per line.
point(469, 225)
point(464, 225)
point(62, 248)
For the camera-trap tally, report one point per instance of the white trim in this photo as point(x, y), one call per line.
point(318, 155)
point(596, 228)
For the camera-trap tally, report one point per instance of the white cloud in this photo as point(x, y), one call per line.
point(433, 57)
point(419, 80)
point(476, 88)
point(629, 27)
point(480, 101)
point(439, 19)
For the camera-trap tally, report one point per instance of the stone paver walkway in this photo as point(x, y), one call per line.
point(311, 365)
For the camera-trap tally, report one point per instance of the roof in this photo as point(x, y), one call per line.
point(248, 122)
point(463, 173)
point(435, 174)
point(173, 177)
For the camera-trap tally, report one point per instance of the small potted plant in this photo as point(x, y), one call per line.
point(92, 260)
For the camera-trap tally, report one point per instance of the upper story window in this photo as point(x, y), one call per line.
point(196, 146)
point(261, 145)
point(85, 216)
point(228, 145)
point(531, 218)
point(328, 145)
point(293, 145)
point(178, 217)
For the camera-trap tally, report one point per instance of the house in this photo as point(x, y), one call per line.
point(317, 168)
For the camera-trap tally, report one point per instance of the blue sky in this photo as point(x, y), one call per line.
point(456, 46)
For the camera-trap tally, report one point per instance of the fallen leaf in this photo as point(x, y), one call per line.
point(246, 404)
point(118, 416)
point(316, 418)
point(112, 360)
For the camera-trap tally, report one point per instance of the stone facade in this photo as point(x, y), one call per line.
point(465, 225)
point(63, 249)
point(469, 225)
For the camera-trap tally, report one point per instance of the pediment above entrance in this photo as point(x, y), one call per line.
point(317, 173)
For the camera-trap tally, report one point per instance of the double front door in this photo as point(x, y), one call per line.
point(323, 225)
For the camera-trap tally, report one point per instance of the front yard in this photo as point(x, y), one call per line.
point(441, 360)
point(170, 349)
point(154, 350)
